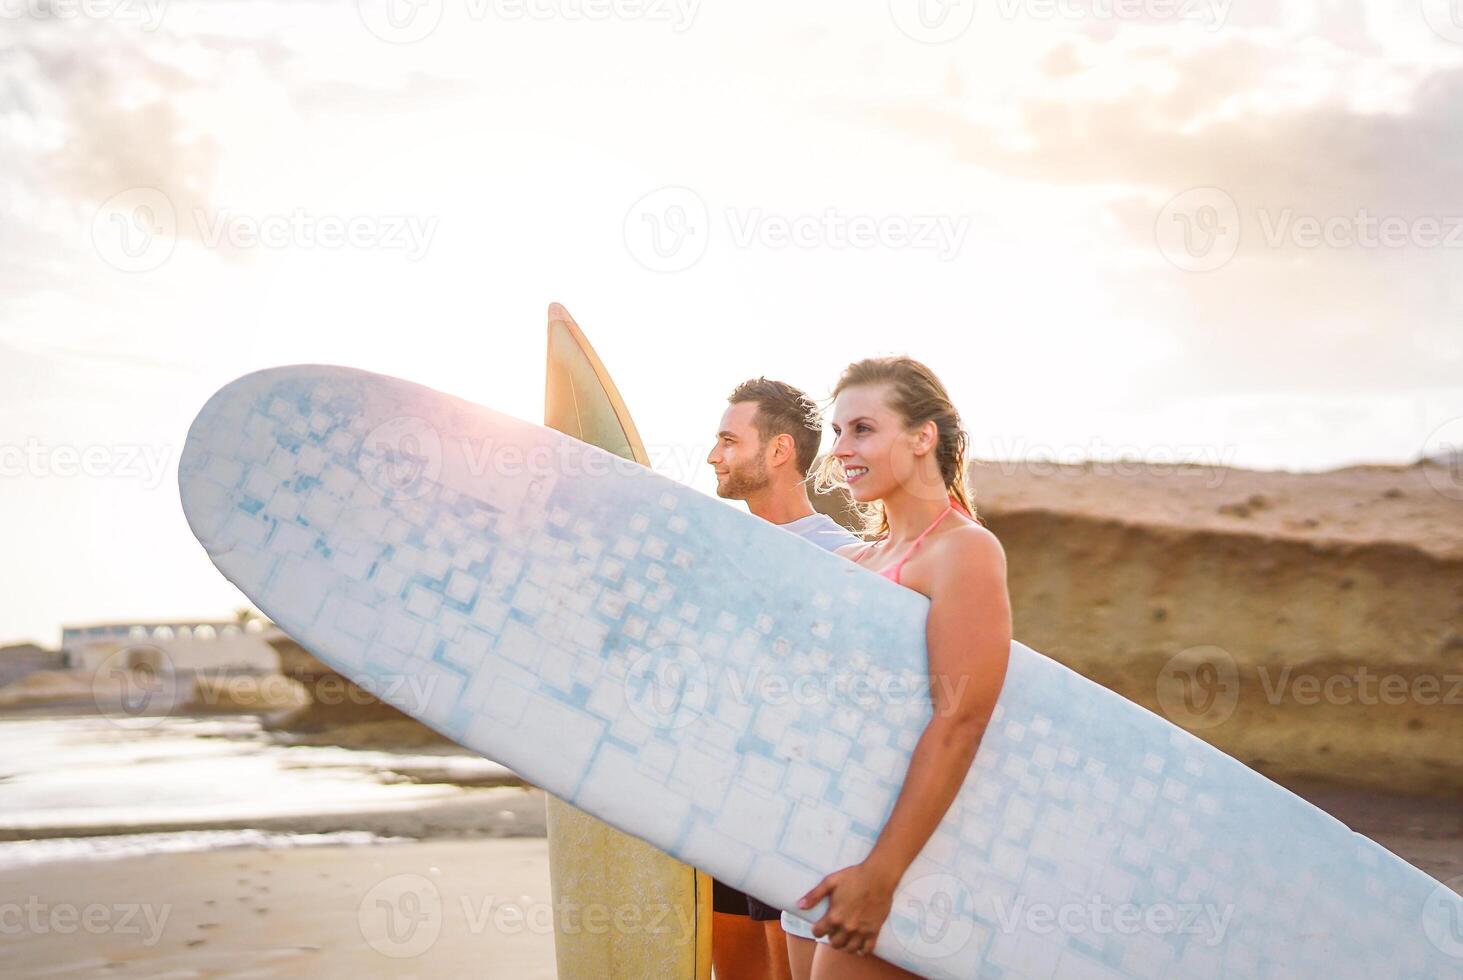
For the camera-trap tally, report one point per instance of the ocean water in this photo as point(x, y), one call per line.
point(85, 776)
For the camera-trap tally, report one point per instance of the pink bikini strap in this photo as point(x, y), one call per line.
point(900, 564)
point(921, 537)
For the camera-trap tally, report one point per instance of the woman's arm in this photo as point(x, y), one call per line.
point(968, 636)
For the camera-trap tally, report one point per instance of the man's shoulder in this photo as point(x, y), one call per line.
point(823, 531)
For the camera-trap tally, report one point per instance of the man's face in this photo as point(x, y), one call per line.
point(737, 457)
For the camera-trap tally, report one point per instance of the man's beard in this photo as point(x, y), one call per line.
point(742, 483)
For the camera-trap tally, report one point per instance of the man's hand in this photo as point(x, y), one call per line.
point(859, 899)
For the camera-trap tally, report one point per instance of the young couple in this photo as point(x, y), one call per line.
point(899, 449)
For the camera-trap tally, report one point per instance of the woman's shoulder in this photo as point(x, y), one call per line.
point(851, 549)
point(970, 542)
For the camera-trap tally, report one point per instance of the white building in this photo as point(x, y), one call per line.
point(173, 647)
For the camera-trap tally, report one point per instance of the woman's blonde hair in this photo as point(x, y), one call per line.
point(918, 397)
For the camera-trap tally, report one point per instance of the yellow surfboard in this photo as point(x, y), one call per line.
point(623, 910)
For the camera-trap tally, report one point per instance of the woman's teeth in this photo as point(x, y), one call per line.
point(854, 472)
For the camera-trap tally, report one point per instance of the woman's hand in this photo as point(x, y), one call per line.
point(859, 899)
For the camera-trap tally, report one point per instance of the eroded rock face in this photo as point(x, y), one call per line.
point(1310, 625)
point(340, 709)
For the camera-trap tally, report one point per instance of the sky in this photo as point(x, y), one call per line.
point(1171, 230)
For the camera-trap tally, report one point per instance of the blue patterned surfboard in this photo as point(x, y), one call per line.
point(748, 702)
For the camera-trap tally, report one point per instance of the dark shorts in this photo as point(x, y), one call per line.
point(725, 898)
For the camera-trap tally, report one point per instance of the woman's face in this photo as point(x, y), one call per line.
point(879, 455)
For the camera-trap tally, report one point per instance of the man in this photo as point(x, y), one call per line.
point(767, 442)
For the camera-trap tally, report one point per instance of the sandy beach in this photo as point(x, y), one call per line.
point(419, 909)
point(399, 908)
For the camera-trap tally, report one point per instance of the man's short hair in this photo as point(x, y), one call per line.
point(781, 408)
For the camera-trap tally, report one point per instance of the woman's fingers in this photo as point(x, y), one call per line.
point(820, 890)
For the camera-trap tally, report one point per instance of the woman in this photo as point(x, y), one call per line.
point(899, 449)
